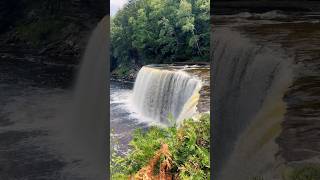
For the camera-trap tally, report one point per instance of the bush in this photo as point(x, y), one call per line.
point(122, 70)
point(189, 147)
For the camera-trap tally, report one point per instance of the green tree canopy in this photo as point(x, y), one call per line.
point(161, 31)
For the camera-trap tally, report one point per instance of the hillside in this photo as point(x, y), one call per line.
point(50, 30)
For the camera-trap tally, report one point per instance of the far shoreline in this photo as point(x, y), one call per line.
point(234, 7)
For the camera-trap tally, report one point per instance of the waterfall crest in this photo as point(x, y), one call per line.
point(159, 92)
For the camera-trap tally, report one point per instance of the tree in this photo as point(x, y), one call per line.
point(161, 31)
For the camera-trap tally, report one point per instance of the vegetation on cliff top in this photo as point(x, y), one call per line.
point(51, 30)
point(160, 31)
point(173, 152)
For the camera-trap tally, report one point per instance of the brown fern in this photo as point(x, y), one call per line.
point(146, 173)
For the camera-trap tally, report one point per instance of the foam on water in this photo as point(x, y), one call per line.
point(159, 92)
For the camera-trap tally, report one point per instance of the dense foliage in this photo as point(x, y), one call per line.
point(160, 31)
point(189, 147)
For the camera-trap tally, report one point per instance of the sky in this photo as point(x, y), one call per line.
point(115, 5)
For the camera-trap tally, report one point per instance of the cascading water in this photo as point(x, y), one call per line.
point(159, 92)
point(87, 118)
point(249, 83)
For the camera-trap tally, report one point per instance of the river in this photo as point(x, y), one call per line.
point(41, 136)
point(28, 105)
point(123, 120)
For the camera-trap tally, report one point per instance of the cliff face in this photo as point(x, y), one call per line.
point(48, 30)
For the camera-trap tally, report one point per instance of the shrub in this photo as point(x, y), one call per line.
point(189, 147)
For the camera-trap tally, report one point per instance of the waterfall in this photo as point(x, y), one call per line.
point(249, 83)
point(159, 92)
point(87, 117)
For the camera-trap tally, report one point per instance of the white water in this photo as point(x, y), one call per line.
point(160, 92)
point(250, 81)
point(87, 117)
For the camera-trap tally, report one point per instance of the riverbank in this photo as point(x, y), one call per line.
point(35, 73)
point(234, 7)
point(51, 32)
point(126, 74)
point(167, 153)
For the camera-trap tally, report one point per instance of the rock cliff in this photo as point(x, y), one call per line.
point(52, 31)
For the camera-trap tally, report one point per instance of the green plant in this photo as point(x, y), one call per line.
point(163, 31)
point(189, 146)
point(122, 70)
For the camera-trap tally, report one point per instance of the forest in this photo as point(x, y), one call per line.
point(160, 31)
